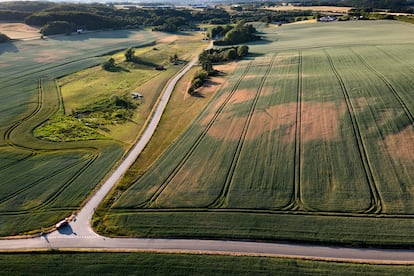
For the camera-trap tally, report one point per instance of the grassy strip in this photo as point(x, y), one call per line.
point(266, 226)
point(74, 263)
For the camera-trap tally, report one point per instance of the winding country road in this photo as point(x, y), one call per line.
point(79, 234)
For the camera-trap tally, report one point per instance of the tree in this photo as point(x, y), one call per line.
point(129, 54)
point(174, 58)
point(230, 54)
point(207, 66)
point(109, 64)
point(242, 50)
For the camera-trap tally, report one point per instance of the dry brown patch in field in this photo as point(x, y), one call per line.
point(168, 39)
point(19, 30)
point(45, 56)
point(273, 118)
point(228, 127)
point(319, 122)
point(242, 95)
point(401, 145)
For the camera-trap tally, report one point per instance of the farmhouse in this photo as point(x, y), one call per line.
point(328, 19)
point(136, 95)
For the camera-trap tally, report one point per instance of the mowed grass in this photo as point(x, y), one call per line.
point(310, 139)
point(75, 263)
point(44, 181)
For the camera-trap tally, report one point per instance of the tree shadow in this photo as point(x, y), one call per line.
point(261, 41)
point(253, 55)
point(141, 61)
point(197, 95)
point(8, 47)
point(116, 69)
point(66, 230)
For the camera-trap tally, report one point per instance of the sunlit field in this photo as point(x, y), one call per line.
point(310, 140)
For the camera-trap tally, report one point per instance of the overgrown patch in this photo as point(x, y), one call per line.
point(61, 128)
point(113, 110)
point(84, 123)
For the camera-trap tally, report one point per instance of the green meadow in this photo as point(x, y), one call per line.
point(311, 139)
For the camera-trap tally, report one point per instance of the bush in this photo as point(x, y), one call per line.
point(109, 64)
point(199, 79)
point(230, 54)
point(242, 51)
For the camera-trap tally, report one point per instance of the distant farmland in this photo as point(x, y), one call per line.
point(311, 139)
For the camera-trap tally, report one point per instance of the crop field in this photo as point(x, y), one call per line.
point(311, 139)
point(42, 181)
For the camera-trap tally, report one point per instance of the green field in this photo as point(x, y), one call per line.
point(310, 140)
point(43, 181)
point(75, 263)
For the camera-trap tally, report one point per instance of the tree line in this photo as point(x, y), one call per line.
point(230, 35)
point(100, 16)
point(210, 56)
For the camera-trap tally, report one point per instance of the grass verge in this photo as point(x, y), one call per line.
point(75, 263)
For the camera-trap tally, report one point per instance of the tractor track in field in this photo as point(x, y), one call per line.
point(220, 201)
point(30, 185)
point(16, 79)
point(376, 201)
point(180, 163)
point(391, 88)
point(17, 161)
point(296, 202)
point(398, 60)
point(259, 211)
point(54, 196)
point(7, 138)
point(36, 110)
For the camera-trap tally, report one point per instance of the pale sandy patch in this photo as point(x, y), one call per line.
point(311, 8)
point(401, 145)
point(319, 122)
point(168, 39)
point(19, 30)
point(304, 22)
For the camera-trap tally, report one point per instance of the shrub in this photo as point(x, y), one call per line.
point(109, 64)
